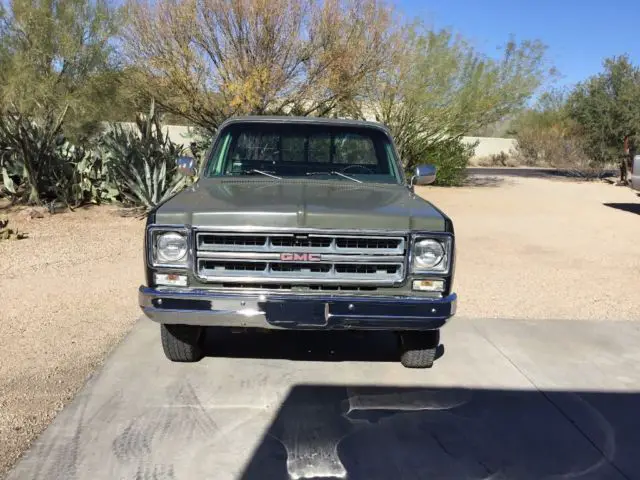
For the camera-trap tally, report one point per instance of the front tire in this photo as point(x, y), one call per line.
point(418, 349)
point(181, 343)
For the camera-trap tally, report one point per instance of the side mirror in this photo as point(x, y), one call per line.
point(425, 175)
point(187, 166)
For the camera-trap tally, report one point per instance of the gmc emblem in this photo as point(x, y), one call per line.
point(300, 257)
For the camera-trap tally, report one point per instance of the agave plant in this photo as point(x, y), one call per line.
point(38, 165)
point(142, 163)
point(28, 154)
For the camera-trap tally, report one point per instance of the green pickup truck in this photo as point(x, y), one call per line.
point(300, 223)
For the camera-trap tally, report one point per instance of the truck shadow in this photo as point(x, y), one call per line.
point(304, 346)
point(625, 207)
point(361, 432)
point(483, 181)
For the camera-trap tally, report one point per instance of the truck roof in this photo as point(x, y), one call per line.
point(303, 120)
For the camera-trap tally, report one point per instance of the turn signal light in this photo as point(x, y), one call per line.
point(170, 279)
point(429, 285)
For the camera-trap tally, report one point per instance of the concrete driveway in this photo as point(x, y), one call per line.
point(508, 399)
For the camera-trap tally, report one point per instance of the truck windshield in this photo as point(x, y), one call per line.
point(279, 151)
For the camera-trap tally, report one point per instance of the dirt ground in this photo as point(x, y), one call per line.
point(527, 248)
point(67, 296)
point(536, 248)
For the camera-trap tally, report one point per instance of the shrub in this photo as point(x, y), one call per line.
point(142, 163)
point(501, 159)
point(451, 157)
point(556, 148)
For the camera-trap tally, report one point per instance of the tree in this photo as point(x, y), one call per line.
point(209, 59)
point(58, 53)
point(438, 88)
point(606, 108)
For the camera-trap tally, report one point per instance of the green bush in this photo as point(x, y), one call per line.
point(451, 158)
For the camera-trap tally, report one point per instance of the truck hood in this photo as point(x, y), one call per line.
point(265, 204)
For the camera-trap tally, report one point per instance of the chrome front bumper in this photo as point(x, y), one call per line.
point(294, 311)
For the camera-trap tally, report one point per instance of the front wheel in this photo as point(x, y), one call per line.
point(418, 349)
point(181, 343)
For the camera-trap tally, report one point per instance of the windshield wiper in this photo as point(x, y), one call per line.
point(266, 174)
point(335, 173)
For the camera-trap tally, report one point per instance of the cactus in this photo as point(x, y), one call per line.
point(142, 164)
point(38, 165)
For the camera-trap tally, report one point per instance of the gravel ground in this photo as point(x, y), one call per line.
point(527, 248)
point(544, 249)
point(67, 296)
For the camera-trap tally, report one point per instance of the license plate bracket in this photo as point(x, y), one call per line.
point(299, 313)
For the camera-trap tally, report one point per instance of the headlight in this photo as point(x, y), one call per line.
point(171, 248)
point(431, 255)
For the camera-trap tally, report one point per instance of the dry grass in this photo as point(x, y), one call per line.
point(527, 248)
point(501, 159)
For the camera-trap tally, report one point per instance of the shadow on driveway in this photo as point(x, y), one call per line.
point(359, 432)
point(625, 207)
point(309, 346)
point(483, 181)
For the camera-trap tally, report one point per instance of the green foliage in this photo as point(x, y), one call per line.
point(606, 107)
point(142, 163)
point(310, 58)
point(545, 132)
point(60, 53)
point(29, 152)
point(451, 157)
point(584, 130)
point(547, 136)
point(38, 165)
point(439, 88)
point(85, 178)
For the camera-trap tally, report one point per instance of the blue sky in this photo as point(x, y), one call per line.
point(579, 34)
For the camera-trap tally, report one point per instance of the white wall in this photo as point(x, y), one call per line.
point(487, 145)
point(177, 133)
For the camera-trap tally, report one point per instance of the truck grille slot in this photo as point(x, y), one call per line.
point(368, 243)
point(234, 266)
point(317, 242)
point(367, 269)
point(222, 242)
point(301, 267)
point(308, 261)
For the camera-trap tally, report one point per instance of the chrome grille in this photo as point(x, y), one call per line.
point(300, 259)
point(314, 243)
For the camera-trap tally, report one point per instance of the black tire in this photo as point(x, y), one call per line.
point(181, 343)
point(418, 349)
